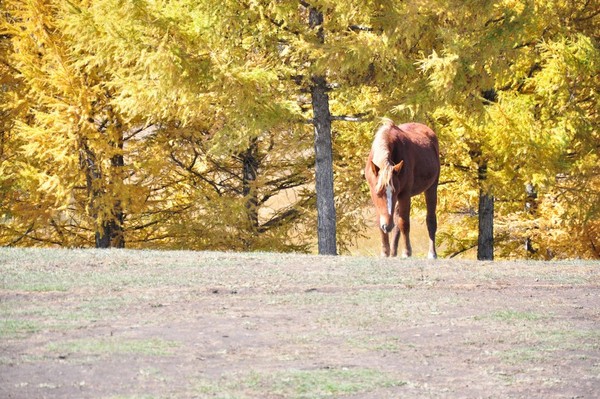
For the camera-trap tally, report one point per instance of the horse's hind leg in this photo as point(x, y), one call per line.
point(431, 219)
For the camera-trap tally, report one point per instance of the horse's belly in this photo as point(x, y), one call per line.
point(422, 186)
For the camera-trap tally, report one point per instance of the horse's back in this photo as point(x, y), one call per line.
point(421, 135)
point(420, 151)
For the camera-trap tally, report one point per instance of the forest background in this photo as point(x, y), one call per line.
point(226, 125)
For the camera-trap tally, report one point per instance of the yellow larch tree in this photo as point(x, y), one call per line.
point(218, 148)
point(72, 187)
point(515, 85)
point(182, 124)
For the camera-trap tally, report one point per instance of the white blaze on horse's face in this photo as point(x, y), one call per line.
point(386, 221)
point(389, 192)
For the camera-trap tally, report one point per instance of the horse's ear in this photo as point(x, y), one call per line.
point(398, 166)
point(374, 169)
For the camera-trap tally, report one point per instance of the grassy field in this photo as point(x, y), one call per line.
point(150, 324)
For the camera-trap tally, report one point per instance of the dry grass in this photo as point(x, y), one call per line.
point(151, 324)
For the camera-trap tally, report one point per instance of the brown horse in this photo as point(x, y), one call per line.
point(404, 161)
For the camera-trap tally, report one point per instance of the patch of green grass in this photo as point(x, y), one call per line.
point(59, 315)
point(550, 343)
point(329, 382)
point(35, 280)
point(527, 354)
point(133, 397)
point(300, 384)
point(110, 346)
point(10, 328)
point(514, 315)
point(93, 308)
point(369, 342)
point(569, 339)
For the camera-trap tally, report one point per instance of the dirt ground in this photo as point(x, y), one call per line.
point(148, 324)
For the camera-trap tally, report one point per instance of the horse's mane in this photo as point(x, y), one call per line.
point(381, 155)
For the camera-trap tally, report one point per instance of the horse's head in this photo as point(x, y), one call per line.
point(384, 183)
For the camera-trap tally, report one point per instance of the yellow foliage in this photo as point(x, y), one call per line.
point(145, 119)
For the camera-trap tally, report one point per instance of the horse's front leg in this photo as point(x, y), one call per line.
point(395, 239)
point(403, 224)
point(385, 244)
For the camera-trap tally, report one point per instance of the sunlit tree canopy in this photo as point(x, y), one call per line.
point(187, 124)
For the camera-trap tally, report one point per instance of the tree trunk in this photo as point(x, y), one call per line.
point(326, 217)
point(108, 224)
point(530, 209)
point(110, 234)
point(93, 177)
point(485, 243)
point(485, 240)
point(116, 231)
point(250, 164)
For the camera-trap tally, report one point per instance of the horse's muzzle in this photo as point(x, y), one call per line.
point(386, 228)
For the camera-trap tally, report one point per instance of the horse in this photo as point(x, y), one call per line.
point(404, 161)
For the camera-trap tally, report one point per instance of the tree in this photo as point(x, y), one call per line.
point(71, 140)
point(335, 51)
point(214, 128)
point(140, 131)
point(486, 71)
point(565, 90)
point(54, 147)
point(140, 75)
point(230, 201)
point(9, 83)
